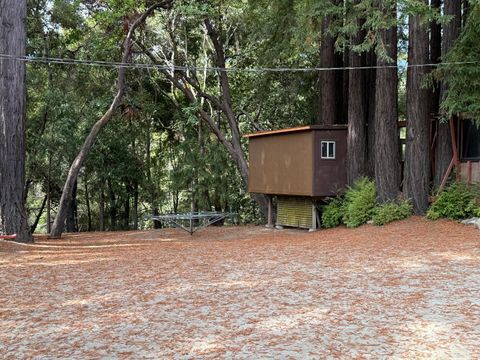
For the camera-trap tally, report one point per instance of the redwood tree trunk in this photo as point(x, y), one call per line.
point(357, 116)
point(443, 154)
point(13, 217)
point(370, 81)
point(435, 55)
point(387, 165)
point(329, 80)
point(417, 154)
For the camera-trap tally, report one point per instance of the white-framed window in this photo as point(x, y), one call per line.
point(328, 149)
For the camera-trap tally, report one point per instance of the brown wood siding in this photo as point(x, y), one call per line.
point(330, 175)
point(281, 164)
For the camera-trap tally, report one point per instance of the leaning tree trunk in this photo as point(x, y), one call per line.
point(192, 90)
point(357, 115)
point(59, 223)
point(417, 154)
point(443, 154)
point(13, 217)
point(387, 165)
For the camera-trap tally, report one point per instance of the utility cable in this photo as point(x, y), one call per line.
point(113, 64)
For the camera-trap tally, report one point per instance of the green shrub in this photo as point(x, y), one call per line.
point(458, 201)
point(360, 202)
point(333, 213)
point(392, 211)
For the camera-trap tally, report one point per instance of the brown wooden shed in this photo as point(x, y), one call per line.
point(299, 166)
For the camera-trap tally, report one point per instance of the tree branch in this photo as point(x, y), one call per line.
point(67, 193)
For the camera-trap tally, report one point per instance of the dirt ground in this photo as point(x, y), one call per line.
point(407, 290)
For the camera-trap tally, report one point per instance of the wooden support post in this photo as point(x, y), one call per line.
point(314, 218)
point(454, 147)
point(270, 212)
point(469, 172)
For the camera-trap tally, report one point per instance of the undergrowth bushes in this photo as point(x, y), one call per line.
point(360, 201)
point(359, 206)
point(333, 213)
point(392, 211)
point(457, 201)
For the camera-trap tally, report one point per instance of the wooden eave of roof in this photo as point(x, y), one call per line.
point(296, 129)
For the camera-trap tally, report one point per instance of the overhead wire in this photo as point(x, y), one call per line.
point(132, 65)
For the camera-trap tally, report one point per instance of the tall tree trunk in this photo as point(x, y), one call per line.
point(342, 88)
point(49, 194)
point(113, 207)
point(465, 11)
point(435, 54)
point(87, 202)
point(329, 80)
point(70, 220)
point(77, 164)
point(387, 165)
point(126, 213)
point(13, 216)
point(443, 154)
point(101, 205)
point(357, 115)
point(371, 76)
point(135, 206)
point(417, 151)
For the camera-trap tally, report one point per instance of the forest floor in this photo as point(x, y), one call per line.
point(407, 290)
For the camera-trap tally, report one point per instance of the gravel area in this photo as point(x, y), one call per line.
point(407, 290)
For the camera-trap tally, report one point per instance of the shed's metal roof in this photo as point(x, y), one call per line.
point(296, 129)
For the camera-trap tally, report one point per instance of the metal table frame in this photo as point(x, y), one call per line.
point(186, 221)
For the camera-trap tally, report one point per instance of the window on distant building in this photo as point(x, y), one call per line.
point(328, 149)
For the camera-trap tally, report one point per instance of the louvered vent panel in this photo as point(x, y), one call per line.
point(294, 211)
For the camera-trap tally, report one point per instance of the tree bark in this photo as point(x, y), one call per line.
point(13, 216)
point(371, 76)
point(329, 80)
point(113, 207)
point(443, 153)
point(58, 225)
point(435, 55)
point(357, 115)
point(39, 215)
point(126, 213)
point(465, 11)
point(417, 151)
point(87, 202)
point(135, 206)
point(387, 165)
point(101, 205)
point(71, 210)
